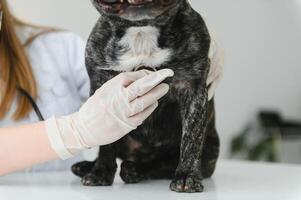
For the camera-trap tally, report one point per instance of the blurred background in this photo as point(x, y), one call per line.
point(259, 99)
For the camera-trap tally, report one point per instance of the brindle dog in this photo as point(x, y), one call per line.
point(179, 141)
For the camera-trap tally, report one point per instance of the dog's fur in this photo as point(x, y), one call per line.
point(179, 141)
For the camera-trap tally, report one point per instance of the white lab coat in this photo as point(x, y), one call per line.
point(57, 60)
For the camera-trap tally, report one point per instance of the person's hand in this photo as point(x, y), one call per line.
point(117, 108)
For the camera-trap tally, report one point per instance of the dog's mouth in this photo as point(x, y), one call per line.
point(118, 5)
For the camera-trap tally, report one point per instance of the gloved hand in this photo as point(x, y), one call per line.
point(117, 108)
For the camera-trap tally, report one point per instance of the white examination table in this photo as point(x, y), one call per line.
point(232, 181)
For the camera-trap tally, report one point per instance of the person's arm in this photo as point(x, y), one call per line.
point(24, 146)
point(117, 108)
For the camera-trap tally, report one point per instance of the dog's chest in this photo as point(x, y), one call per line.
point(139, 47)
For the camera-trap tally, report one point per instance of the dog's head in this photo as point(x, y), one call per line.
point(136, 10)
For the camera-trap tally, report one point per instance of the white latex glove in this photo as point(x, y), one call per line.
point(117, 108)
point(216, 55)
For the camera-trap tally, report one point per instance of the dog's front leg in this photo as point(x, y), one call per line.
point(104, 169)
point(194, 108)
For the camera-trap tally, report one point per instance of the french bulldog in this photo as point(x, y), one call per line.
point(179, 140)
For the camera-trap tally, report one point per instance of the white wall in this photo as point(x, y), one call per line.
point(76, 15)
point(262, 39)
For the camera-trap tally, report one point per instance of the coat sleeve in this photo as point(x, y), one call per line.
point(216, 56)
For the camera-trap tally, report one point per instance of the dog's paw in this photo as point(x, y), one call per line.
point(82, 168)
point(190, 184)
point(98, 179)
point(129, 173)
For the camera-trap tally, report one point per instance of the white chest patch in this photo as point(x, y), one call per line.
point(141, 45)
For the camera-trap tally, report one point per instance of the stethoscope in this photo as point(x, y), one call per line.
point(33, 103)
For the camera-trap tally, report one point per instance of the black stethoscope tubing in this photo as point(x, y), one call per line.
point(33, 103)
